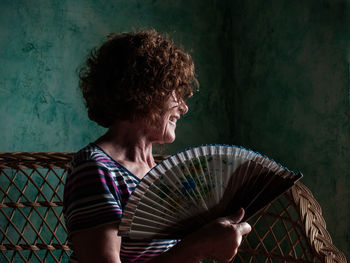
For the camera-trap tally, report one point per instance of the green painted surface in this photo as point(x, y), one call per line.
point(273, 75)
point(290, 79)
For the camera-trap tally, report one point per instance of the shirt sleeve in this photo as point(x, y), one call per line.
point(91, 197)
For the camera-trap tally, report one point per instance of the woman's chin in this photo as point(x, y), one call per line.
point(167, 139)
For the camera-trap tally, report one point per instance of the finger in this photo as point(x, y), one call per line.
point(237, 217)
point(244, 228)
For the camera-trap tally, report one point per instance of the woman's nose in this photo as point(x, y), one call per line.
point(183, 107)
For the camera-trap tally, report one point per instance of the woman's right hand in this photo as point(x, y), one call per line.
point(220, 239)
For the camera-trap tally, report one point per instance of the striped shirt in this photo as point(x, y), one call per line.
point(96, 191)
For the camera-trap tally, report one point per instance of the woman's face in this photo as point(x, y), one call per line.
point(164, 132)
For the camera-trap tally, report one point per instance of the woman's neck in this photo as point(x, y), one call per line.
point(128, 144)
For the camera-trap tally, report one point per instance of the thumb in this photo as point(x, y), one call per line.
point(244, 228)
point(237, 217)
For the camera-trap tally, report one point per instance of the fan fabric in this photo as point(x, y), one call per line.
point(193, 187)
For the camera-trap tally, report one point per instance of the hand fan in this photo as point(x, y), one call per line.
point(193, 187)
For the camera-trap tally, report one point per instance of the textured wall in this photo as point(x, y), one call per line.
point(290, 84)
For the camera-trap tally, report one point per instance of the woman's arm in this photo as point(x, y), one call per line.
point(100, 244)
point(218, 240)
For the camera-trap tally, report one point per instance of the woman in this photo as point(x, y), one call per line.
point(135, 85)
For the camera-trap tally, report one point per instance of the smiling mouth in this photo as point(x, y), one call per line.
point(173, 119)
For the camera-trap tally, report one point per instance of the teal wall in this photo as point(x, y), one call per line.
point(291, 88)
point(273, 75)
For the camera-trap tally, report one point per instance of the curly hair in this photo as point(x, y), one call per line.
point(132, 74)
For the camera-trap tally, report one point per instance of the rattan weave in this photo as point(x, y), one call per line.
point(291, 229)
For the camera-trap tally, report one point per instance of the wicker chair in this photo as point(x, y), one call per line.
point(291, 229)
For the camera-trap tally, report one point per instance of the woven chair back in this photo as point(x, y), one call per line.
point(31, 220)
point(290, 229)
